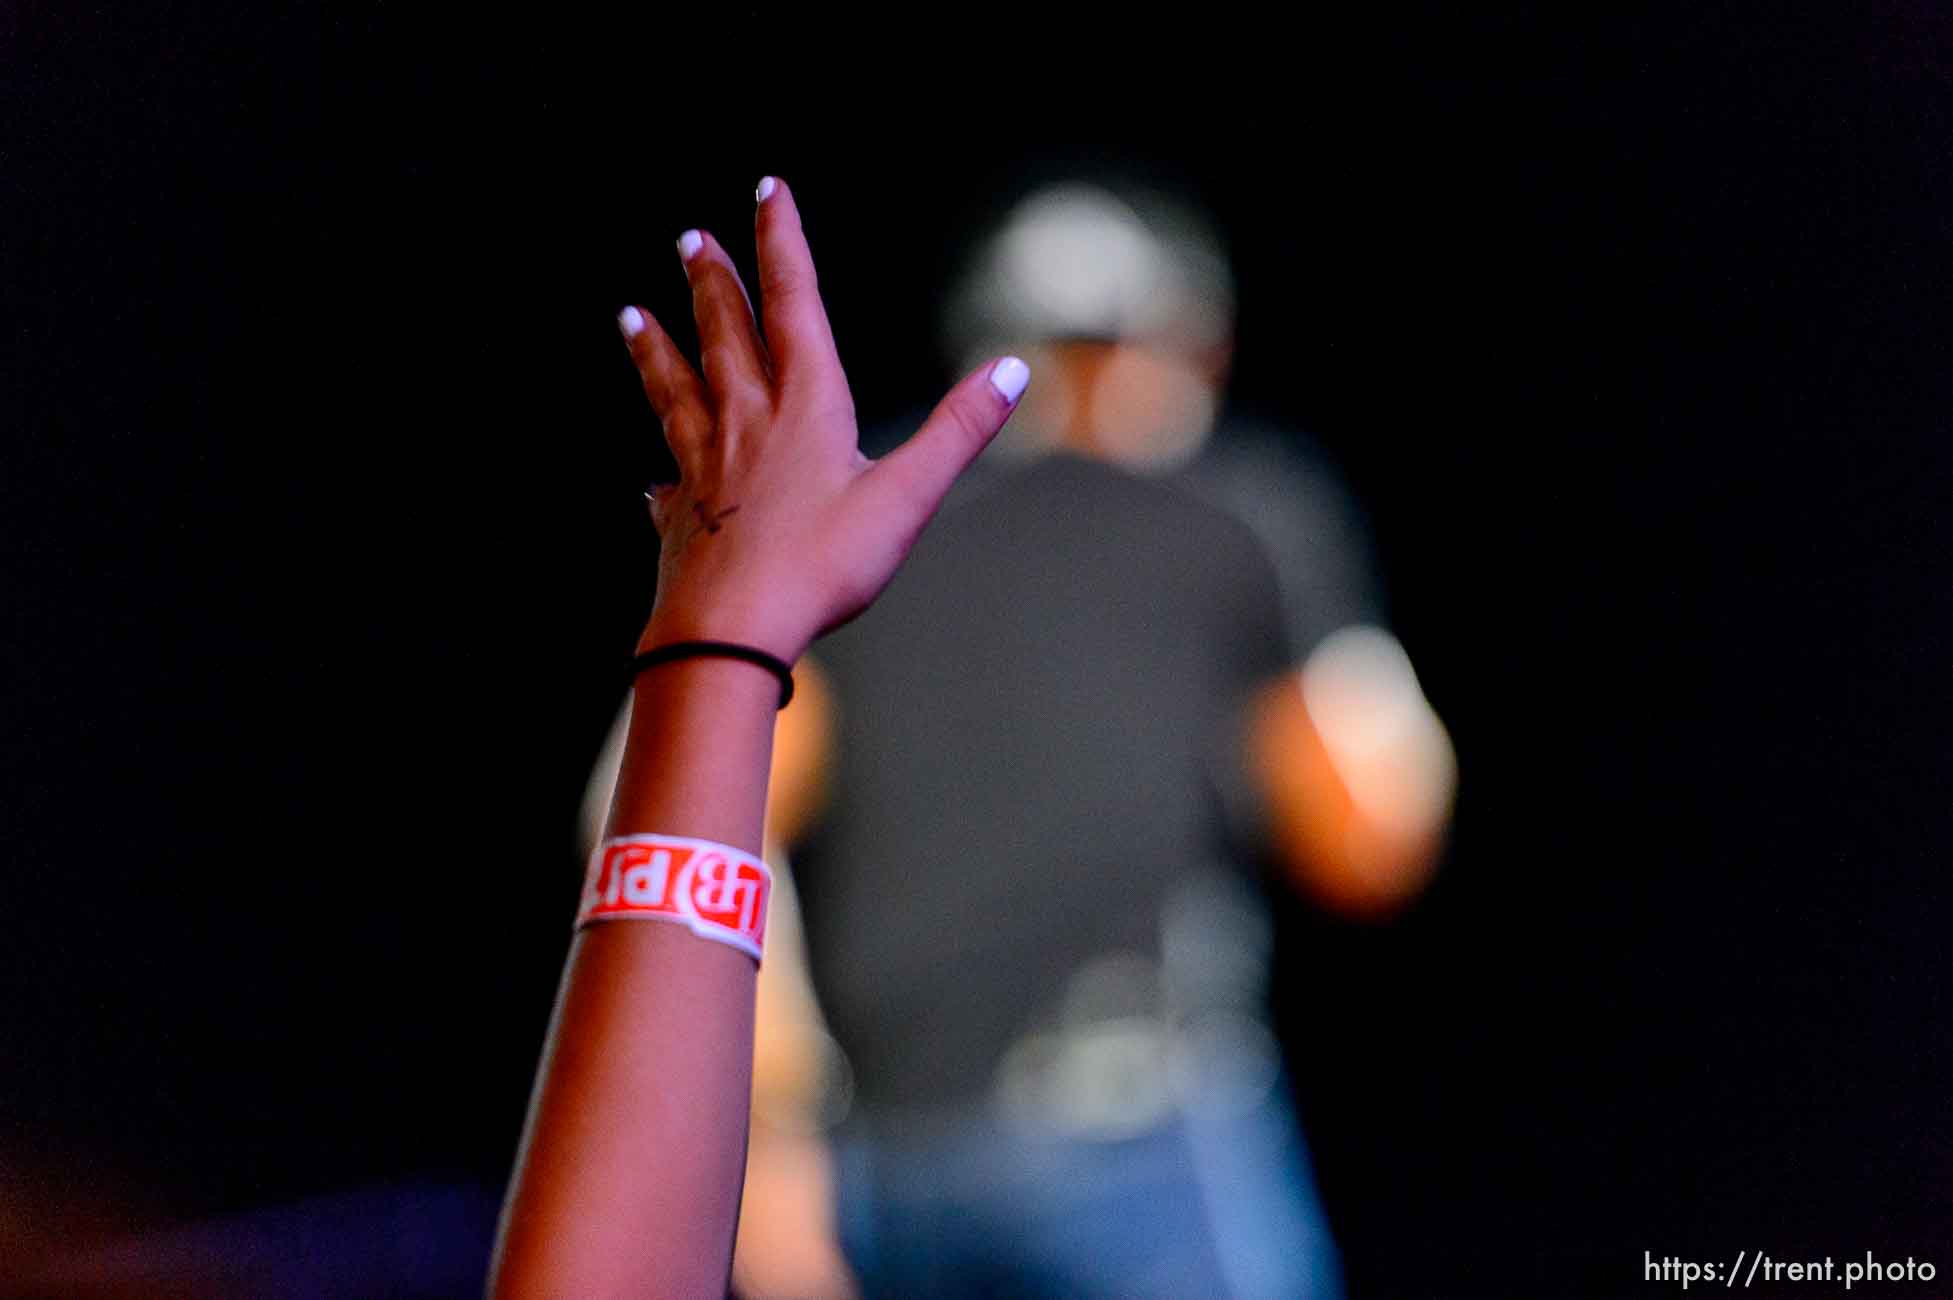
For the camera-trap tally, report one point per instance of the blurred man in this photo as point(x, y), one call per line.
point(1137, 656)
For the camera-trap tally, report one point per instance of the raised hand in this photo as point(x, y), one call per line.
point(778, 528)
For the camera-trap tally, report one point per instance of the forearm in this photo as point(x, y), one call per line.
point(621, 1186)
point(1357, 773)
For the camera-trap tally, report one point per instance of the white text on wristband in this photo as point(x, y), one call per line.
point(716, 890)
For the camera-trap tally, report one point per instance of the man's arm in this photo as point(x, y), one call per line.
point(1357, 774)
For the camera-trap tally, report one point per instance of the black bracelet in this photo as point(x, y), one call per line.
point(664, 654)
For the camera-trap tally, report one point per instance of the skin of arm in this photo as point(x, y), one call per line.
point(1356, 773)
point(627, 1180)
point(788, 1241)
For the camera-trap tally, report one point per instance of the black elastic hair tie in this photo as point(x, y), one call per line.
point(664, 654)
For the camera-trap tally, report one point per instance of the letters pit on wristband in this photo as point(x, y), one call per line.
point(717, 891)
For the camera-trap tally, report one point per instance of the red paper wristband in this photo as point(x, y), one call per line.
point(715, 889)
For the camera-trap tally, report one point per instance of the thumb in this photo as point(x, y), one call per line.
point(917, 475)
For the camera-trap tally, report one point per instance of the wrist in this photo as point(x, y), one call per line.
point(669, 626)
point(715, 681)
point(672, 652)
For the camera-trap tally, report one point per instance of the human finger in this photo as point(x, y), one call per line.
point(669, 382)
point(917, 475)
point(730, 351)
point(798, 336)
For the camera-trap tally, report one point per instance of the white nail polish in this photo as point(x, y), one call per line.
point(631, 321)
point(688, 245)
point(764, 190)
point(1009, 377)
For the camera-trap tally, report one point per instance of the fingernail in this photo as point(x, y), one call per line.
point(688, 245)
point(631, 321)
point(765, 188)
point(1009, 378)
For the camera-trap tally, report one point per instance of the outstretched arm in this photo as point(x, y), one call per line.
point(778, 529)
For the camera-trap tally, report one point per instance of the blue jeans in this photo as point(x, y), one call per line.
point(1214, 1203)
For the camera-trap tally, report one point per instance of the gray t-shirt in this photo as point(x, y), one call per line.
point(1037, 738)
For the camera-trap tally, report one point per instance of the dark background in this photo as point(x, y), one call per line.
point(323, 541)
